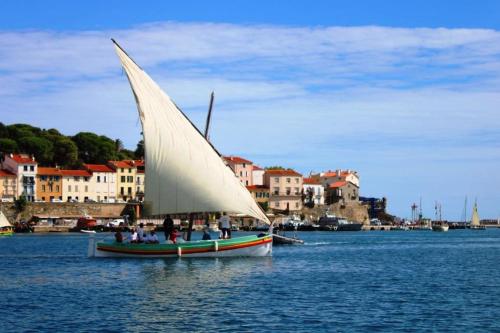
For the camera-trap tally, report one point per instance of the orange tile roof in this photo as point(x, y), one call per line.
point(311, 181)
point(283, 173)
point(121, 164)
point(255, 167)
point(76, 173)
point(6, 173)
point(98, 168)
point(22, 158)
point(338, 184)
point(236, 160)
point(48, 171)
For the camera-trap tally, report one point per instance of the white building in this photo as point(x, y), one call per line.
point(77, 186)
point(329, 177)
point(258, 175)
point(25, 169)
point(103, 180)
point(317, 189)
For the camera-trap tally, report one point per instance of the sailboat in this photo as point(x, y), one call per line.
point(185, 175)
point(474, 223)
point(5, 226)
point(439, 225)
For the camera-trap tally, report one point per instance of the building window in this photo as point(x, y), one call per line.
point(276, 190)
point(57, 188)
point(288, 180)
point(129, 170)
point(69, 189)
point(241, 173)
point(122, 178)
point(32, 168)
point(276, 204)
point(288, 190)
point(98, 179)
point(56, 178)
point(25, 168)
point(104, 178)
point(43, 178)
point(123, 170)
point(77, 179)
point(297, 204)
point(246, 182)
point(130, 179)
point(296, 180)
point(43, 188)
point(86, 188)
point(122, 191)
point(76, 188)
point(129, 190)
point(276, 180)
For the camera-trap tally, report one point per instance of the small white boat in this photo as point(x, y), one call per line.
point(442, 227)
point(88, 231)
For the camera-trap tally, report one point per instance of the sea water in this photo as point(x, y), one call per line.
point(353, 281)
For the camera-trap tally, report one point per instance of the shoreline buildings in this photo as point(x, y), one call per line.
point(277, 189)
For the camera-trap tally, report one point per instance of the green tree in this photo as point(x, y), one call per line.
point(41, 148)
point(65, 152)
point(139, 151)
point(20, 203)
point(17, 131)
point(129, 210)
point(95, 149)
point(8, 146)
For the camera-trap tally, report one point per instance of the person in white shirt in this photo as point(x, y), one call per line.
point(225, 225)
point(133, 238)
point(140, 233)
point(152, 238)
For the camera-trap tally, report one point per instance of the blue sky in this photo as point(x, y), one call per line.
point(405, 93)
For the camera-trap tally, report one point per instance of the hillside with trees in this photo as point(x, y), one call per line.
point(51, 148)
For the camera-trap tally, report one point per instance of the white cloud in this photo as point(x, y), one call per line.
point(314, 96)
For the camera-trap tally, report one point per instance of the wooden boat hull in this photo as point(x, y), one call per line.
point(247, 246)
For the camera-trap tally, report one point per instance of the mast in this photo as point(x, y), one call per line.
point(209, 116)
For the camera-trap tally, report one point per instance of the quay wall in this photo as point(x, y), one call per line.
point(63, 210)
point(353, 211)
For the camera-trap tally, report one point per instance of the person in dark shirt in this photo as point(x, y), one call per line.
point(206, 235)
point(168, 227)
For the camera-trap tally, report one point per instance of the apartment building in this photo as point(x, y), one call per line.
point(285, 188)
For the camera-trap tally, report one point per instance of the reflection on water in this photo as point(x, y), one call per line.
point(364, 281)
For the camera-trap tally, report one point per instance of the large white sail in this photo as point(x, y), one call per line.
point(3, 221)
point(475, 217)
point(184, 173)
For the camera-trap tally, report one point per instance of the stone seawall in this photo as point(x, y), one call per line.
point(353, 211)
point(63, 210)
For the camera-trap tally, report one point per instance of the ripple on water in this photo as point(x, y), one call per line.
point(365, 281)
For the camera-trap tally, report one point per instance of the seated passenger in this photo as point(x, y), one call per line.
point(118, 236)
point(133, 238)
point(206, 235)
point(152, 238)
point(173, 236)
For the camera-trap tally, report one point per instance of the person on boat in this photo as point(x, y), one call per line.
point(173, 236)
point(140, 233)
point(168, 226)
point(225, 224)
point(206, 235)
point(133, 238)
point(118, 236)
point(152, 238)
